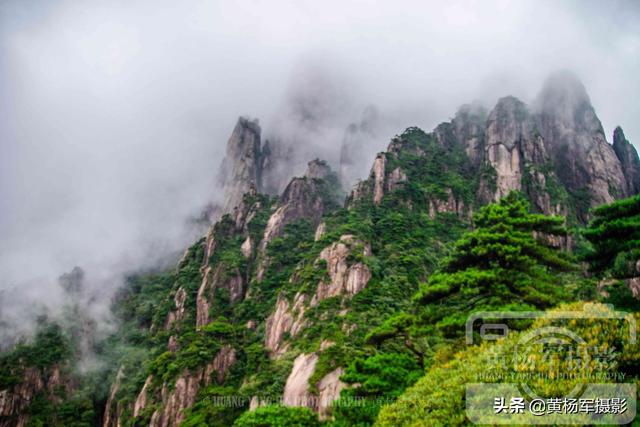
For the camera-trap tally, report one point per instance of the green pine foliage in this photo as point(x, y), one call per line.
point(505, 263)
point(614, 233)
point(438, 398)
point(278, 416)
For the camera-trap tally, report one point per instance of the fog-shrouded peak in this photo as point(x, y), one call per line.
point(241, 169)
point(318, 169)
point(564, 100)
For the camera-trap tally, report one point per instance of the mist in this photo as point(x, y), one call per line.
point(114, 116)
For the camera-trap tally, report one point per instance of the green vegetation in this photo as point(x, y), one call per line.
point(278, 416)
point(438, 398)
point(506, 263)
point(398, 339)
point(49, 347)
point(615, 235)
point(614, 255)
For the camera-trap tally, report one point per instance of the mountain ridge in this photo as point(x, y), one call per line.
point(285, 290)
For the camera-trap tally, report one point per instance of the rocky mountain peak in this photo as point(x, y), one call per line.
point(318, 169)
point(468, 127)
point(241, 169)
point(584, 161)
point(564, 100)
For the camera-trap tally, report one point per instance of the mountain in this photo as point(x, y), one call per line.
point(285, 295)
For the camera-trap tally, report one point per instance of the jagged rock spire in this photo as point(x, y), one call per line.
point(241, 169)
point(629, 161)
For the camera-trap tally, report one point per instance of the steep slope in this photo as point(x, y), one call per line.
point(285, 294)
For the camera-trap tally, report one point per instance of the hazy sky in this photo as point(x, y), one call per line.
point(114, 115)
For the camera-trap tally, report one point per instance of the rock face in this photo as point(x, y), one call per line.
point(143, 397)
point(375, 185)
point(304, 197)
point(469, 128)
point(318, 169)
point(13, 401)
point(450, 204)
point(574, 137)
point(378, 175)
point(516, 151)
point(320, 230)
point(556, 153)
point(222, 276)
point(343, 278)
point(329, 389)
point(629, 161)
point(241, 169)
point(296, 390)
point(185, 390)
point(178, 314)
point(113, 411)
point(285, 319)
point(507, 126)
point(219, 278)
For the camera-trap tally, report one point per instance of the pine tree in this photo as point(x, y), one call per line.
point(507, 262)
point(615, 235)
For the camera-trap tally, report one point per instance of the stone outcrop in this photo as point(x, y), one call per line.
point(376, 184)
point(329, 388)
point(285, 319)
point(183, 394)
point(296, 389)
point(202, 300)
point(344, 279)
point(574, 137)
point(516, 151)
point(178, 314)
point(318, 169)
point(14, 400)
point(303, 198)
point(395, 179)
point(220, 277)
point(320, 230)
point(143, 397)
point(451, 204)
point(378, 175)
point(241, 169)
point(507, 126)
point(468, 129)
point(629, 161)
point(175, 401)
point(113, 411)
point(247, 247)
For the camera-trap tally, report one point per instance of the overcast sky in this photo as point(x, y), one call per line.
point(114, 115)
